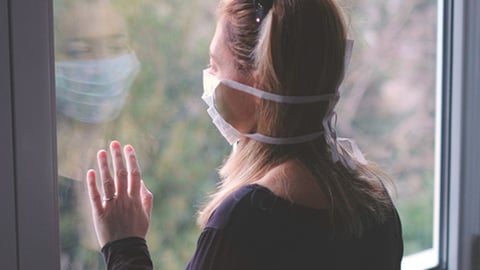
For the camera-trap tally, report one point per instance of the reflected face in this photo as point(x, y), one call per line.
point(94, 66)
point(91, 30)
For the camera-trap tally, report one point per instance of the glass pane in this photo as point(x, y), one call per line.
point(131, 71)
point(388, 103)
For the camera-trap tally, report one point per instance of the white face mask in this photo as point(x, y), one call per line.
point(339, 152)
point(211, 84)
point(95, 90)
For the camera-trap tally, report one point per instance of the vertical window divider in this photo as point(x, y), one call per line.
point(33, 120)
point(464, 217)
point(8, 225)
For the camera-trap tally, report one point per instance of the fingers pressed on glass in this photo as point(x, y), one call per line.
point(107, 179)
point(134, 171)
point(94, 194)
point(121, 174)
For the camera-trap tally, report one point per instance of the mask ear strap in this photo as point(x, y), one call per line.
point(355, 152)
point(275, 97)
point(338, 151)
point(329, 123)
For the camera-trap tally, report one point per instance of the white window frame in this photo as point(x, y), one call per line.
point(28, 179)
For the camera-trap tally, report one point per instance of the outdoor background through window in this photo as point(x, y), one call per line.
point(131, 71)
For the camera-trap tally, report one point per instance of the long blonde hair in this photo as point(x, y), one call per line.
point(298, 49)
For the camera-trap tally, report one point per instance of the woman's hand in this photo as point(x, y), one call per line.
point(125, 209)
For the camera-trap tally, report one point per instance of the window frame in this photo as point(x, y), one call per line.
point(464, 156)
point(8, 247)
point(29, 173)
point(28, 194)
point(432, 258)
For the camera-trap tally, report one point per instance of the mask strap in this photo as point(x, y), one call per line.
point(284, 140)
point(274, 97)
point(356, 152)
point(338, 151)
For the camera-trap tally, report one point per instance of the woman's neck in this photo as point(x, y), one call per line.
point(293, 182)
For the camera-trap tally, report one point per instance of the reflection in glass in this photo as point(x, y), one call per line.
point(162, 115)
point(94, 71)
point(95, 66)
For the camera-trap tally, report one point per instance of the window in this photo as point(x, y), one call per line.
point(389, 104)
point(28, 193)
point(131, 71)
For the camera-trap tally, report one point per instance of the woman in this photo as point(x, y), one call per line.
point(292, 196)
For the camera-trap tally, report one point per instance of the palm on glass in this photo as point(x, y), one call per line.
point(125, 208)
